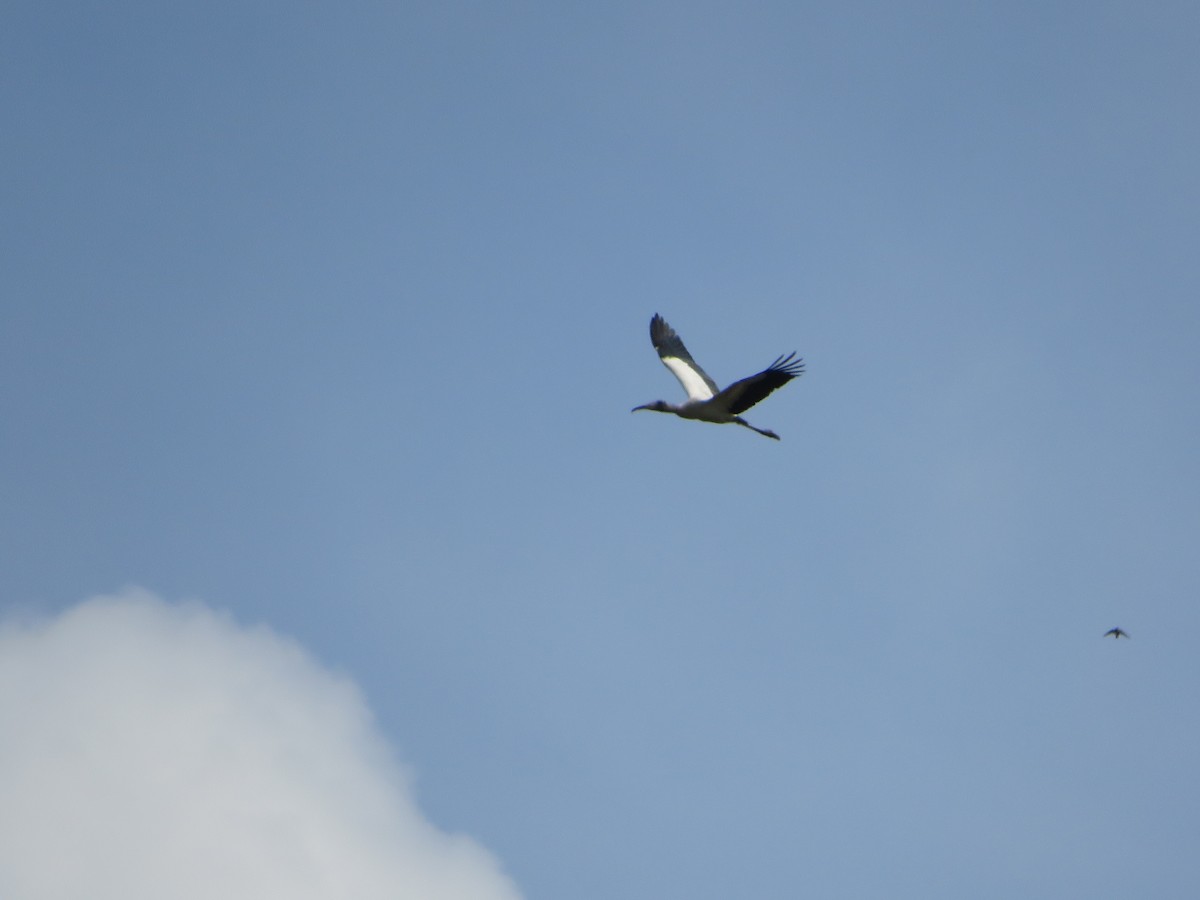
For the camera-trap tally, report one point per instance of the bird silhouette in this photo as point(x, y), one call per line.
point(1117, 633)
point(706, 402)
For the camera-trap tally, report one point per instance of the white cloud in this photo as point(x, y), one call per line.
point(152, 750)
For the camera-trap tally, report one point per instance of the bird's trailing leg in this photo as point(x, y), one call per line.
point(762, 431)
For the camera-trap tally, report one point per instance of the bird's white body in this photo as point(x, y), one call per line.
point(703, 411)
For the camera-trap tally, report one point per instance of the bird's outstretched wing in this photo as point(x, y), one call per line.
point(1116, 633)
point(676, 358)
point(741, 395)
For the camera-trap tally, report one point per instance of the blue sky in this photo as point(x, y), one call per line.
point(330, 318)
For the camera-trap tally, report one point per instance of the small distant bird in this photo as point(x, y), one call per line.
point(705, 401)
point(1117, 633)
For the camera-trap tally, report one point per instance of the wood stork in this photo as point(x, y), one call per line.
point(706, 402)
point(1117, 633)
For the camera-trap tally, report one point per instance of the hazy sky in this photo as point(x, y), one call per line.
point(319, 330)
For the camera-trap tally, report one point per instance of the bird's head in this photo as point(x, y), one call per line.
point(656, 406)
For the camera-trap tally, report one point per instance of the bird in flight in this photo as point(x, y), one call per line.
point(1117, 633)
point(705, 402)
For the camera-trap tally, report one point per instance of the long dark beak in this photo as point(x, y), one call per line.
point(643, 406)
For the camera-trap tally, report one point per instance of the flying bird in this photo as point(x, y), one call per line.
point(1117, 633)
point(705, 401)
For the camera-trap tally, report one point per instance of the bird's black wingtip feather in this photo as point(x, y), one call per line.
point(660, 331)
point(788, 365)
